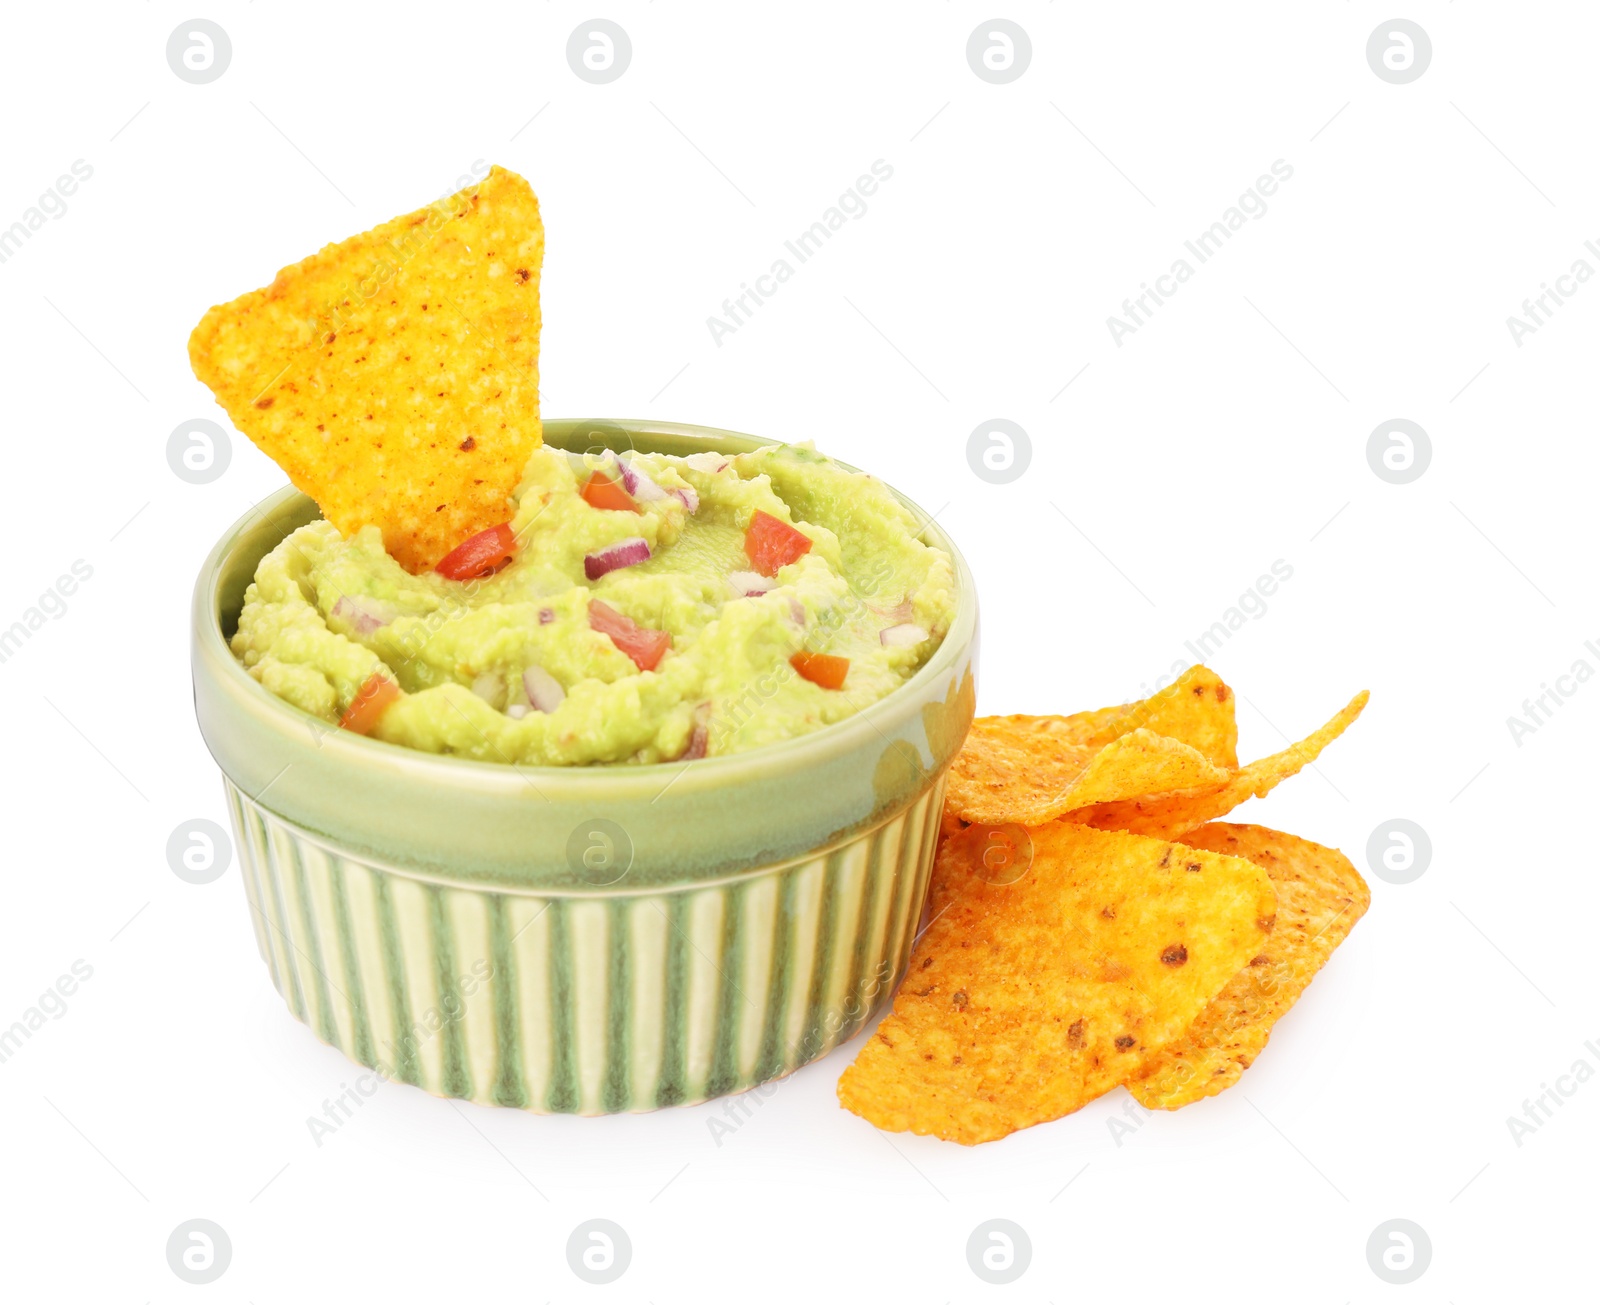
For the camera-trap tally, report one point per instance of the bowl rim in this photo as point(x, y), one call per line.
point(510, 776)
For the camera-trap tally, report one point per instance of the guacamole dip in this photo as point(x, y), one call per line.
point(640, 608)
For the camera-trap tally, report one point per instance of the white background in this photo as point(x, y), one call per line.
point(1226, 434)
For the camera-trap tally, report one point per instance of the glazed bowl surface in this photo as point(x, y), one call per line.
point(589, 939)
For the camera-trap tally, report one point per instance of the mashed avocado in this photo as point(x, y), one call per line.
point(544, 661)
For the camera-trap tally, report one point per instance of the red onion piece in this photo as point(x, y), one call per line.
point(691, 500)
point(708, 462)
point(905, 635)
point(700, 737)
point(544, 690)
point(638, 483)
point(629, 552)
point(751, 583)
point(362, 615)
point(797, 611)
point(546, 615)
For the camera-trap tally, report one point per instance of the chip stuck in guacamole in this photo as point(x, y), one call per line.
point(639, 608)
point(395, 376)
point(473, 592)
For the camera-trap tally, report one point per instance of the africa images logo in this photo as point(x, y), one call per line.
point(850, 205)
point(1251, 205)
point(52, 204)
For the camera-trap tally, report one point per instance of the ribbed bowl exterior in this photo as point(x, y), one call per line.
point(566, 1003)
point(429, 915)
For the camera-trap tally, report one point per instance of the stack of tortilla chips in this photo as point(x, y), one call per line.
point(1090, 927)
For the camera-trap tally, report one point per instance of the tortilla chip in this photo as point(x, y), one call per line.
point(998, 854)
point(1197, 709)
point(1142, 761)
point(950, 824)
point(1320, 897)
point(1026, 1000)
point(1080, 729)
point(395, 376)
point(1001, 775)
point(1173, 817)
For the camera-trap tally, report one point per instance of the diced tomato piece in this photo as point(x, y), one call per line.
point(822, 669)
point(485, 553)
point(647, 647)
point(372, 699)
point(770, 543)
point(600, 491)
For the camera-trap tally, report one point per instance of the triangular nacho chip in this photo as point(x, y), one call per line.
point(1002, 775)
point(1320, 897)
point(1027, 999)
point(1197, 709)
point(395, 376)
point(1173, 817)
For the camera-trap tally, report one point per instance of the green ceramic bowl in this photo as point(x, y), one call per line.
point(439, 920)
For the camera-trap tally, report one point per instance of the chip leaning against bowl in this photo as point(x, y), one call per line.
point(652, 608)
